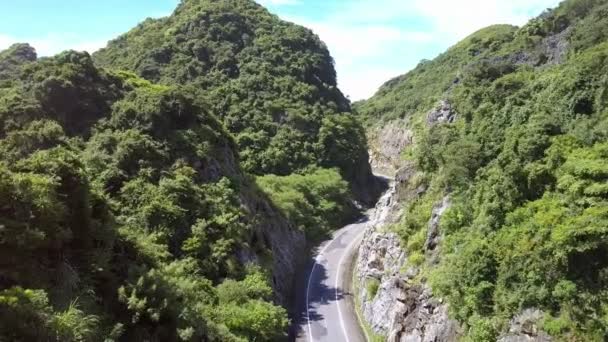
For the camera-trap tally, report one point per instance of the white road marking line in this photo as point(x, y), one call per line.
point(346, 252)
point(356, 241)
point(312, 271)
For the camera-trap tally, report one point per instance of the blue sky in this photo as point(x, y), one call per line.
point(371, 40)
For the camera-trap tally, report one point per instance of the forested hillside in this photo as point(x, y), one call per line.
point(271, 82)
point(511, 125)
point(122, 212)
point(166, 189)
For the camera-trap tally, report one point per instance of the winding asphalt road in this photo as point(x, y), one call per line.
point(325, 302)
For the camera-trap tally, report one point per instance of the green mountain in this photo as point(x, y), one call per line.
point(511, 125)
point(271, 82)
point(166, 189)
point(120, 202)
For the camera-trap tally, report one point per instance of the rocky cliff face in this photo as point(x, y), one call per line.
point(286, 243)
point(402, 308)
point(525, 328)
point(386, 145)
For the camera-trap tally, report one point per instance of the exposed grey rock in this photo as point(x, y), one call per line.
point(287, 244)
point(443, 113)
point(380, 258)
point(288, 247)
point(404, 177)
point(433, 236)
point(426, 320)
point(551, 50)
point(399, 310)
point(405, 174)
point(555, 47)
point(524, 328)
point(387, 145)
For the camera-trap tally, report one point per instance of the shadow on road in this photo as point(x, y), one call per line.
point(320, 293)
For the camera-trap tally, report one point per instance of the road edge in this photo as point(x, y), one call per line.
point(355, 290)
point(348, 276)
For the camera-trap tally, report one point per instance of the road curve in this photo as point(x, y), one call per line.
point(325, 302)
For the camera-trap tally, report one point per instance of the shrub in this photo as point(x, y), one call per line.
point(317, 202)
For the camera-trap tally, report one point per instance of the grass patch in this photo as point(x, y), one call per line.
point(372, 286)
point(370, 334)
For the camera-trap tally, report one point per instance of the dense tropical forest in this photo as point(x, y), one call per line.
point(166, 187)
point(145, 191)
point(272, 83)
point(512, 125)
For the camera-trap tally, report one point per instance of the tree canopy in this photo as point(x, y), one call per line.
point(524, 164)
point(272, 83)
point(139, 187)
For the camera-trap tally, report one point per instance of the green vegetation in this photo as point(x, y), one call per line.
point(316, 202)
point(372, 285)
point(11, 60)
point(525, 167)
point(127, 209)
point(138, 187)
point(370, 334)
point(120, 202)
point(272, 83)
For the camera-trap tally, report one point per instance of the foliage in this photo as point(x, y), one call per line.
point(372, 285)
point(272, 83)
point(126, 207)
point(12, 59)
point(316, 202)
point(74, 325)
point(126, 204)
point(244, 309)
point(524, 165)
point(121, 212)
point(26, 314)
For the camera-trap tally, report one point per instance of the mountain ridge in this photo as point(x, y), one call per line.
point(147, 209)
point(273, 84)
point(507, 127)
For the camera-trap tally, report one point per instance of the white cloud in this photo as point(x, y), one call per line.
point(90, 46)
point(351, 41)
point(277, 2)
point(372, 40)
point(359, 50)
point(53, 44)
point(360, 83)
point(6, 41)
point(460, 18)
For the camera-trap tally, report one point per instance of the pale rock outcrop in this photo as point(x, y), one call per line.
point(555, 47)
point(524, 328)
point(275, 233)
point(433, 236)
point(400, 309)
point(387, 145)
point(443, 113)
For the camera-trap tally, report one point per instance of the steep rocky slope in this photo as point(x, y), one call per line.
point(499, 149)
